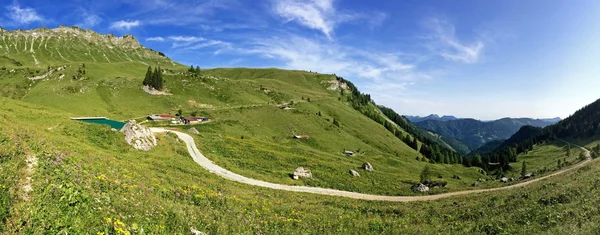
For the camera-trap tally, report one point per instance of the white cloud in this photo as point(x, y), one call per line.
point(125, 25)
point(186, 38)
point(314, 14)
point(322, 15)
point(189, 43)
point(155, 39)
point(89, 20)
point(447, 45)
point(22, 15)
point(298, 52)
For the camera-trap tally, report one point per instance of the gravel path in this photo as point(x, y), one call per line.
point(215, 169)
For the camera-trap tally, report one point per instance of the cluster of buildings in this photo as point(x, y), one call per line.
point(177, 119)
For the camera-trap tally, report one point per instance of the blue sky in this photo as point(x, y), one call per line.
point(480, 59)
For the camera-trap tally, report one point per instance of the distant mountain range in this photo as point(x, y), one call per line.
point(430, 117)
point(472, 133)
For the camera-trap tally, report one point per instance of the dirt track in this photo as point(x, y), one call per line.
point(215, 169)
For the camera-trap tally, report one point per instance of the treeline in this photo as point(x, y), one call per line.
point(430, 149)
point(584, 123)
point(154, 78)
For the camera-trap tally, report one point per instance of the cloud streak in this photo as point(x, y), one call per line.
point(155, 39)
point(125, 24)
point(89, 20)
point(22, 16)
point(189, 43)
point(448, 46)
point(321, 15)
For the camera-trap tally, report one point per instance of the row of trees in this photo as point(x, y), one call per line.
point(194, 70)
point(154, 78)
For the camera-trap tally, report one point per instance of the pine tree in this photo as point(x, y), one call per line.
point(426, 174)
point(148, 77)
point(159, 80)
point(478, 161)
point(559, 163)
point(524, 169)
point(415, 144)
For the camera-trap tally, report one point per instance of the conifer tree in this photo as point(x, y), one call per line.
point(148, 77)
point(524, 169)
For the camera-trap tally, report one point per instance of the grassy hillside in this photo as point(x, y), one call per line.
point(249, 134)
point(87, 180)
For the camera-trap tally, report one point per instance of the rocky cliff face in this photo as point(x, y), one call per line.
point(138, 136)
point(64, 32)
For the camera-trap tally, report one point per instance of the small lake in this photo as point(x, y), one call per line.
point(104, 121)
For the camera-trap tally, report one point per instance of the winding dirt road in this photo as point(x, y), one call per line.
point(215, 169)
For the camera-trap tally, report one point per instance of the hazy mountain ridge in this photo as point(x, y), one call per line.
point(430, 117)
point(474, 133)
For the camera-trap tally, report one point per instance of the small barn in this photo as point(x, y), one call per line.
point(194, 119)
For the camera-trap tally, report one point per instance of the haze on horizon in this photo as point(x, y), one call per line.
point(479, 59)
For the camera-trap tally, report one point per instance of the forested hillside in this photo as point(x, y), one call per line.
point(583, 124)
point(474, 133)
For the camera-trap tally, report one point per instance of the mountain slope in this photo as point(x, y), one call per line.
point(43, 47)
point(474, 133)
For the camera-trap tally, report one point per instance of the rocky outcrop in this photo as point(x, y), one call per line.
point(196, 232)
point(354, 173)
point(421, 188)
point(153, 91)
point(300, 172)
point(475, 184)
point(503, 179)
point(194, 131)
point(456, 177)
point(367, 166)
point(138, 136)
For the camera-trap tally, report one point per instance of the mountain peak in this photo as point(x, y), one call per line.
point(71, 32)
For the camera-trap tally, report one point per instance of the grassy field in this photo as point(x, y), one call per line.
point(102, 185)
point(544, 158)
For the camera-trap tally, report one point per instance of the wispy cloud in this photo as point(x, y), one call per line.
point(188, 43)
point(314, 14)
point(155, 39)
point(22, 16)
point(298, 52)
point(321, 14)
point(446, 44)
point(125, 24)
point(89, 20)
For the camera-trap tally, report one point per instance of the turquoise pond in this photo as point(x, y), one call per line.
point(112, 123)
